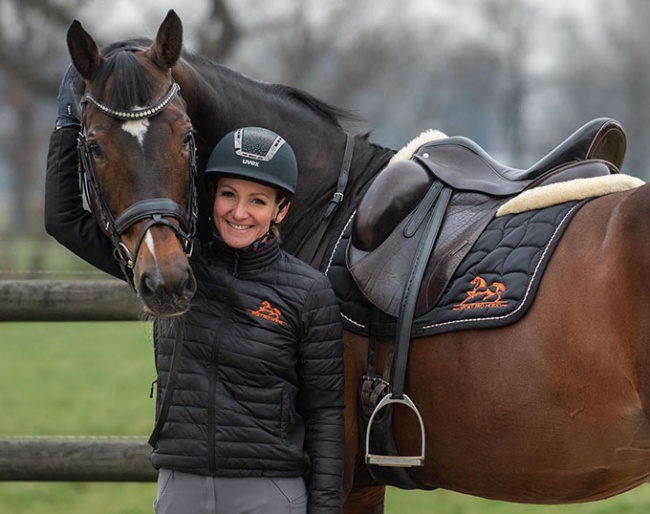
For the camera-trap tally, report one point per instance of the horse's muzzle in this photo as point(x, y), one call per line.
point(169, 295)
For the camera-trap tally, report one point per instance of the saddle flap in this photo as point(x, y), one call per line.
point(382, 274)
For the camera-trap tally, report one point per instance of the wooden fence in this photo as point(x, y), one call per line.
point(74, 458)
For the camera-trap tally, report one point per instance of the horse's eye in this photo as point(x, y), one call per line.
point(96, 151)
point(188, 139)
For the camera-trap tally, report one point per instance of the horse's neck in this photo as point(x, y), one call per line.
point(220, 100)
point(306, 216)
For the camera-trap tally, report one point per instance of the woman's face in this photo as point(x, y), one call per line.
point(243, 210)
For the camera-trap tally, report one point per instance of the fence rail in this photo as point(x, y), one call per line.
point(72, 458)
point(68, 300)
point(75, 459)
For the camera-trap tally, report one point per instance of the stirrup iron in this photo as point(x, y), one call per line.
point(395, 460)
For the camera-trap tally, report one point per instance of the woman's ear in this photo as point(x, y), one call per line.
point(282, 212)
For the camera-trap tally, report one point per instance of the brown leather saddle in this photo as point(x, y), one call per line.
point(387, 226)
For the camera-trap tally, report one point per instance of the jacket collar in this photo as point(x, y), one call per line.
point(244, 260)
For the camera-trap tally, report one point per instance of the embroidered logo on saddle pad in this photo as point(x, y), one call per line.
point(268, 312)
point(482, 295)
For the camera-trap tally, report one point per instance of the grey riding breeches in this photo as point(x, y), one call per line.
point(185, 493)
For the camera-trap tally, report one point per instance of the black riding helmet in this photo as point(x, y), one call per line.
point(256, 154)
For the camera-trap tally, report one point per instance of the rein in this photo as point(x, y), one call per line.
point(157, 210)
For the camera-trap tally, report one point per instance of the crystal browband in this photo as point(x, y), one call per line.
point(136, 114)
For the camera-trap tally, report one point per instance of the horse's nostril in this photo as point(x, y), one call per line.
point(190, 283)
point(150, 284)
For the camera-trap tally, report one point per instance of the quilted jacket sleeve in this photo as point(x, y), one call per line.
point(321, 399)
point(66, 219)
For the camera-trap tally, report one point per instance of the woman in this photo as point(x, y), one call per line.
point(255, 421)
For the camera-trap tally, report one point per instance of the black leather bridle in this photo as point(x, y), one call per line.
point(157, 211)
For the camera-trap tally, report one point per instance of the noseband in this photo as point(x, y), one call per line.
point(157, 211)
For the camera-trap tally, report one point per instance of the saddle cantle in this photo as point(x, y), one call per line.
point(380, 251)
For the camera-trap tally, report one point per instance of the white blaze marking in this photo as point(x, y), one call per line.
point(149, 240)
point(137, 128)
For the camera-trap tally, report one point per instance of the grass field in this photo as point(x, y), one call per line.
point(95, 378)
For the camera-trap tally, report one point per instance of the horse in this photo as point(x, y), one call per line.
point(552, 409)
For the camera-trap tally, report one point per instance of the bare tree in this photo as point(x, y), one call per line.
point(220, 33)
point(32, 63)
point(628, 74)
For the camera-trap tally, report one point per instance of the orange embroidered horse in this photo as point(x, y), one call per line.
point(489, 294)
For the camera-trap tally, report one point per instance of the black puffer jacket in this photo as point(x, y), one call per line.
point(259, 391)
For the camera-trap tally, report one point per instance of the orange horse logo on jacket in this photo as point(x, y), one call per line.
point(482, 295)
point(268, 312)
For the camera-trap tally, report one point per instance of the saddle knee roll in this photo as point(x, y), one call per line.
point(395, 192)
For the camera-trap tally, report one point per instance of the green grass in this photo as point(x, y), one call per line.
point(76, 379)
point(94, 379)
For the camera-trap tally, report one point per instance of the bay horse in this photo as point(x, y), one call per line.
point(552, 409)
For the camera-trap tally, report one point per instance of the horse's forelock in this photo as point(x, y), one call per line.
point(130, 87)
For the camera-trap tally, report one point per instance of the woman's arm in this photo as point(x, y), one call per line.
point(66, 219)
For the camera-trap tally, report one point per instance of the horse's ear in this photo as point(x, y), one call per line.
point(166, 48)
point(84, 52)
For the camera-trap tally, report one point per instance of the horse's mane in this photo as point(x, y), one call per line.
point(282, 92)
point(326, 111)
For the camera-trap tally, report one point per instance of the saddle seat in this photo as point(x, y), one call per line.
point(601, 139)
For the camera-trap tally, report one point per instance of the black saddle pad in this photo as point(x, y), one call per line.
point(494, 285)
